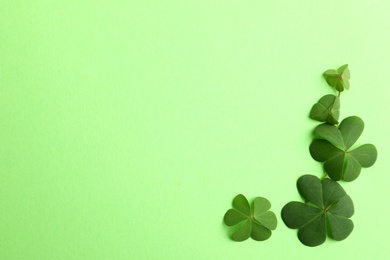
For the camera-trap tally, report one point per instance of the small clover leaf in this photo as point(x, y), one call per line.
point(334, 149)
point(326, 110)
point(328, 207)
point(256, 222)
point(339, 79)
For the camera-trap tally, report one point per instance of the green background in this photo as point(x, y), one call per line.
point(127, 127)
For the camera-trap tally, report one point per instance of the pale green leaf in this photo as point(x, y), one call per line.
point(243, 232)
point(342, 69)
point(260, 205)
point(345, 83)
point(268, 219)
point(346, 73)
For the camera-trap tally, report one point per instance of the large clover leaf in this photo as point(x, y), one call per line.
point(334, 149)
point(328, 210)
point(256, 222)
point(326, 110)
point(339, 78)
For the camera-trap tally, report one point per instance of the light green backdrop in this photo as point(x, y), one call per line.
point(127, 127)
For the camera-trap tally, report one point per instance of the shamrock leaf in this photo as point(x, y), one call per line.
point(334, 149)
point(339, 78)
point(326, 110)
point(329, 210)
point(256, 222)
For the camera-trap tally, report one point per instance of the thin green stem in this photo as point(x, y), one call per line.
point(323, 178)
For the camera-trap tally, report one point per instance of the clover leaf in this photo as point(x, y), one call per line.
point(339, 78)
point(256, 222)
point(326, 110)
point(334, 149)
point(329, 211)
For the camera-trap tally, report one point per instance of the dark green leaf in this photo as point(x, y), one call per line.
point(343, 208)
point(321, 150)
point(314, 233)
point(330, 133)
point(319, 112)
point(351, 128)
point(241, 204)
point(331, 73)
point(326, 110)
point(338, 79)
point(334, 166)
point(366, 155)
point(340, 227)
point(352, 170)
point(233, 217)
point(259, 232)
point(297, 214)
point(243, 232)
point(337, 207)
point(332, 192)
point(331, 119)
point(337, 165)
point(310, 188)
point(335, 82)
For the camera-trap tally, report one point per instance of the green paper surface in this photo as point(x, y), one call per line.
point(127, 127)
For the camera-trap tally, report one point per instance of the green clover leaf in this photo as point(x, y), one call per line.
point(339, 79)
point(256, 222)
point(334, 149)
point(329, 210)
point(326, 110)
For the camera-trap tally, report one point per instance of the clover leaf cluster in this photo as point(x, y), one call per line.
point(328, 208)
point(256, 222)
point(339, 79)
point(334, 149)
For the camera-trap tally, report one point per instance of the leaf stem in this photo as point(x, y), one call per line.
point(339, 96)
point(323, 178)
